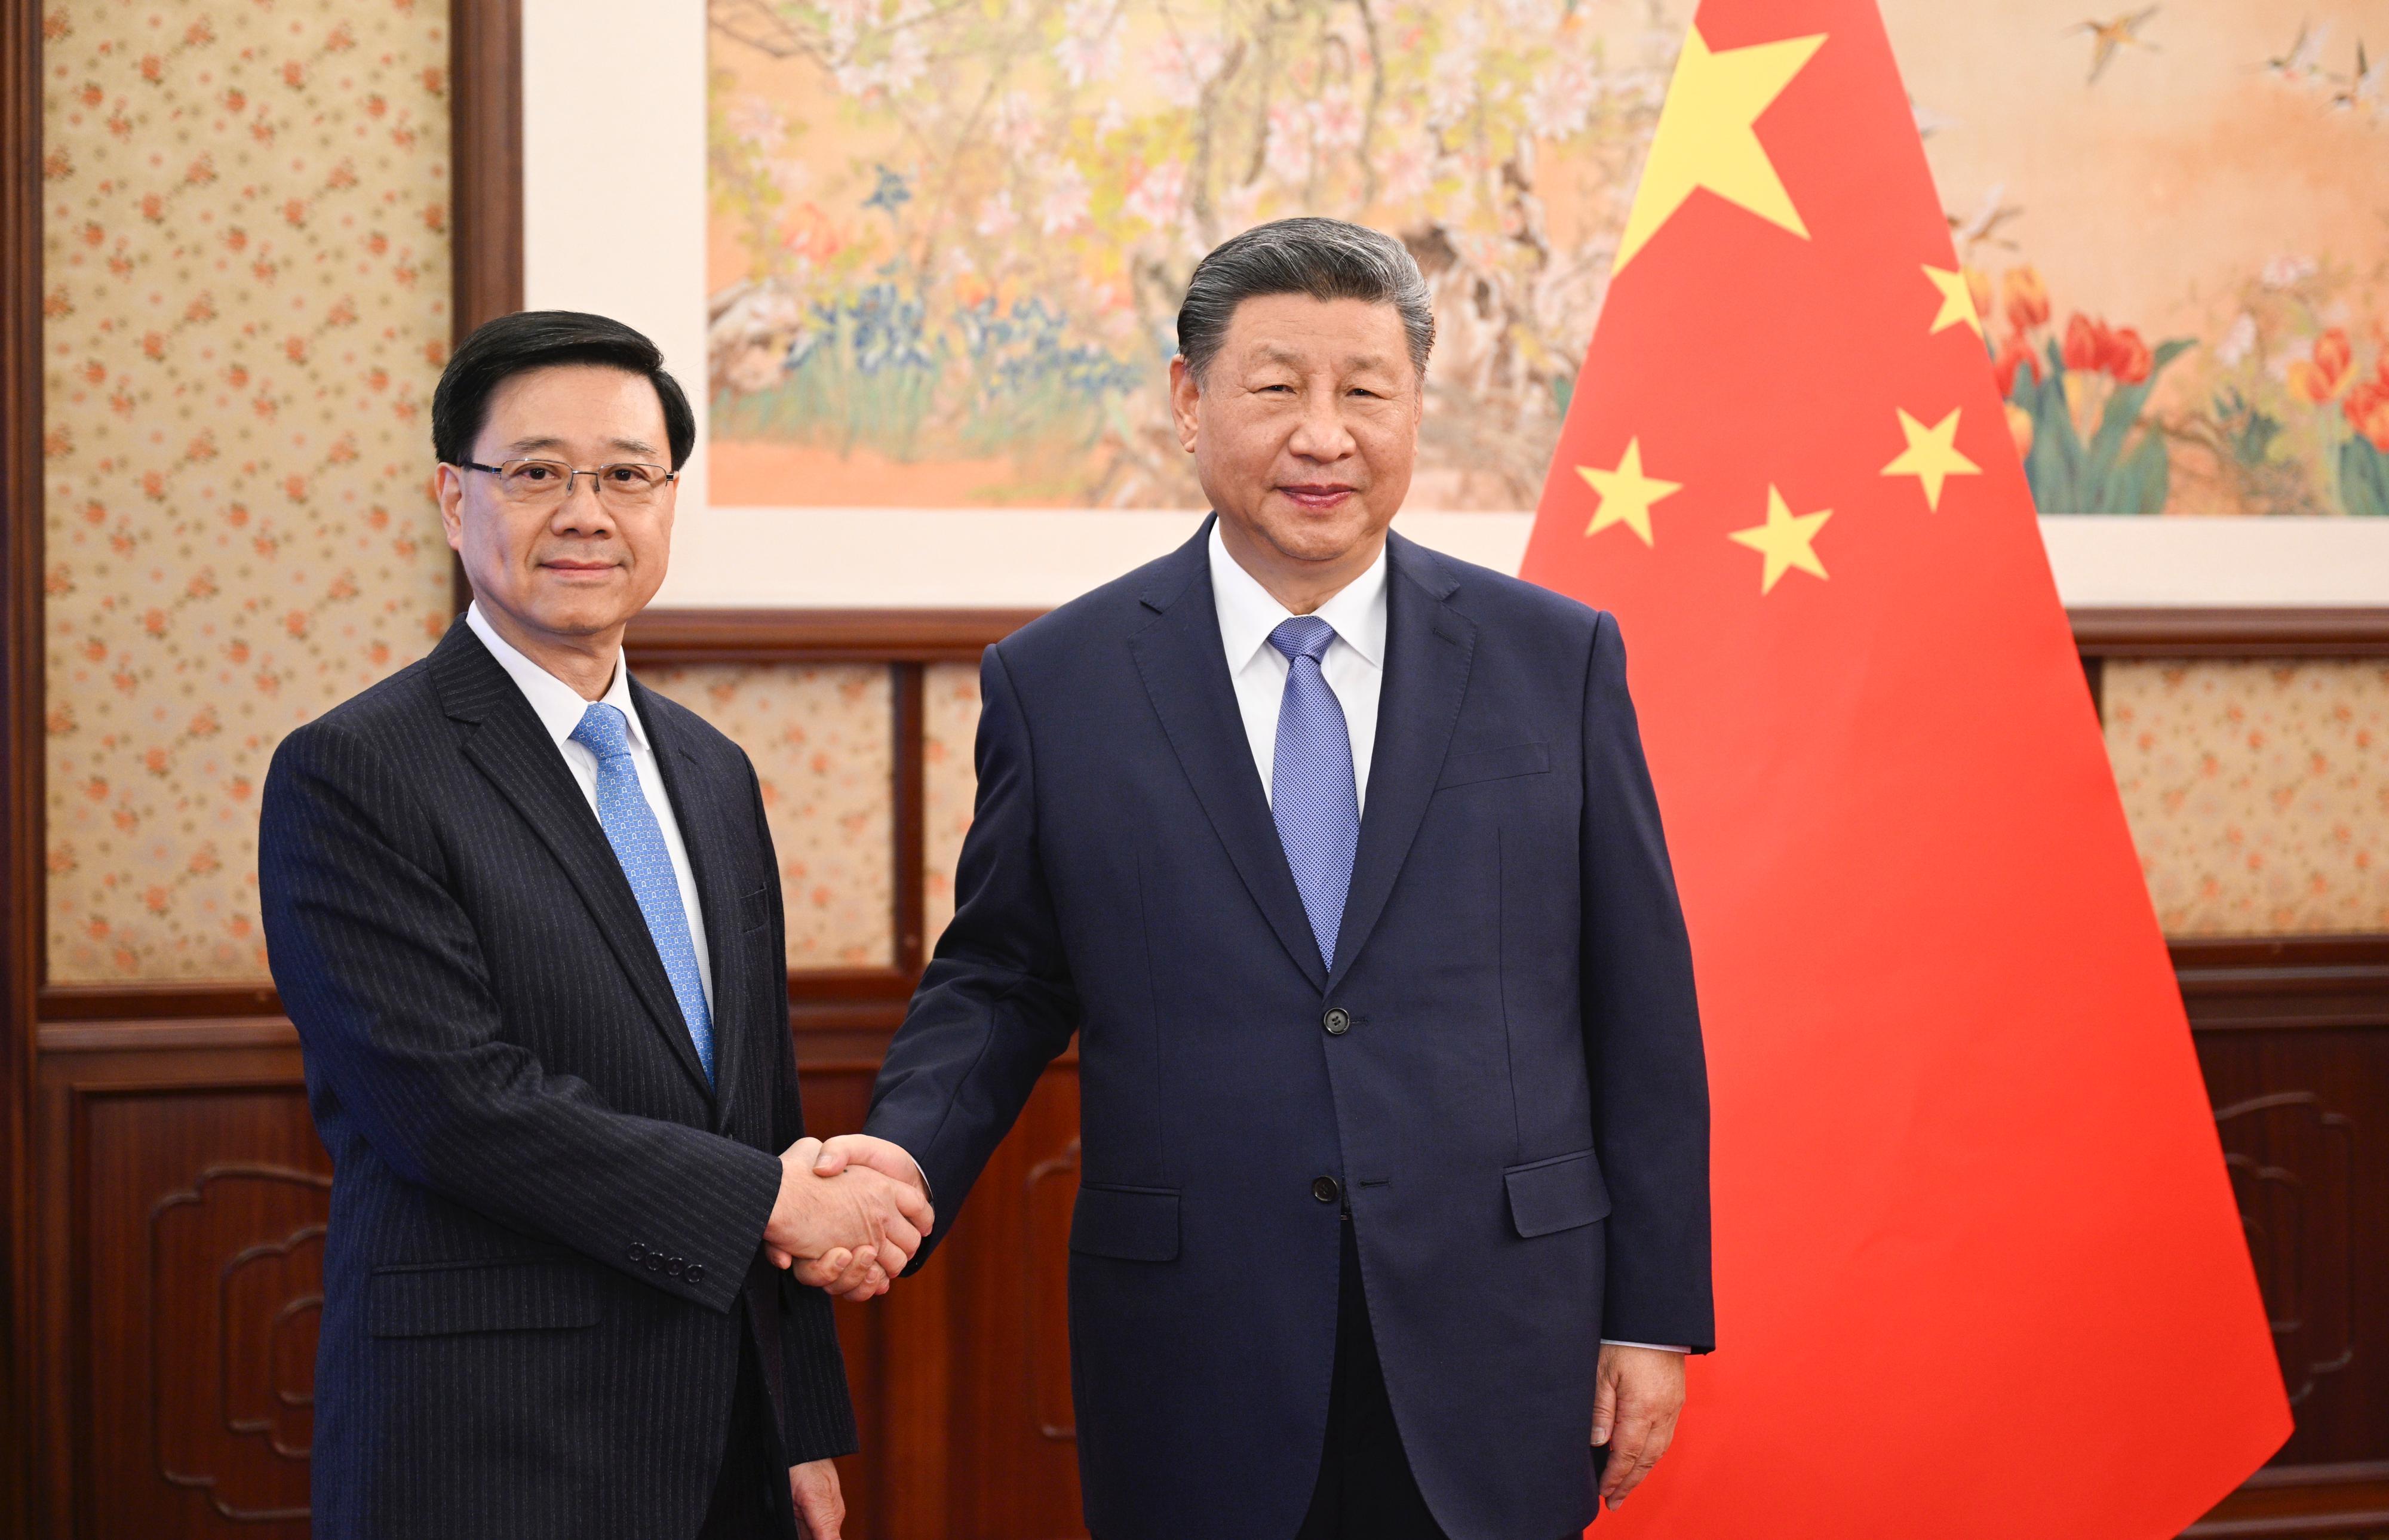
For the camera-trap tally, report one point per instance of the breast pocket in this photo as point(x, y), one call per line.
point(755, 910)
point(1471, 766)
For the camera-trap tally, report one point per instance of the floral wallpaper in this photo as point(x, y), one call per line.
point(246, 276)
point(823, 744)
point(2259, 792)
point(949, 715)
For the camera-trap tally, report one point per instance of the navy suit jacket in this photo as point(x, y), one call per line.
point(543, 1247)
point(1501, 1073)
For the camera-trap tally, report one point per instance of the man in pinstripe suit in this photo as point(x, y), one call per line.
point(526, 916)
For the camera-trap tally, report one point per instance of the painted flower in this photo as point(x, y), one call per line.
point(1158, 194)
point(2128, 357)
point(1288, 156)
point(2288, 271)
point(2020, 428)
point(2014, 354)
point(2085, 343)
point(2367, 412)
point(2026, 297)
point(2237, 342)
point(2322, 376)
point(1064, 207)
point(1561, 100)
point(1183, 65)
point(1089, 47)
point(997, 218)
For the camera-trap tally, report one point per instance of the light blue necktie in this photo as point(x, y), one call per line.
point(638, 842)
point(1312, 794)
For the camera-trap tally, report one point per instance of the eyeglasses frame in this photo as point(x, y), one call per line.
point(573, 474)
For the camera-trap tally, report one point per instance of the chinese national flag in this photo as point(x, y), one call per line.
point(1978, 1268)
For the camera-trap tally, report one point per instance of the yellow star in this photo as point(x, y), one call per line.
point(1957, 304)
point(1784, 539)
point(1706, 139)
point(1932, 455)
point(1626, 493)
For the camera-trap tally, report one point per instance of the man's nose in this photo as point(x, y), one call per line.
point(1321, 434)
point(581, 511)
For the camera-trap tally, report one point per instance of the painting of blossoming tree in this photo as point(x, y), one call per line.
point(947, 236)
point(948, 239)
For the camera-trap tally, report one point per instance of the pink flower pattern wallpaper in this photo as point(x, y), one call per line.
point(245, 278)
point(2258, 792)
point(822, 741)
point(950, 717)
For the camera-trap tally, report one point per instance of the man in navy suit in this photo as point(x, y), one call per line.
point(525, 915)
point(1341, 860)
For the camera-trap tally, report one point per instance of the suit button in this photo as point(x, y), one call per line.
point(638, 1251)
point(1326, 1189)
point(695, 1273)
point(655, 1262)
point(673, 1264)
point(1337, 1021)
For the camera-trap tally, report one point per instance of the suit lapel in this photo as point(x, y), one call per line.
point(510, 747)
point(709, 861)
point(1185, 671)
point(1428, 648)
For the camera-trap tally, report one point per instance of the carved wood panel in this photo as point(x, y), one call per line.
point(199, 1263)
point(2304, 1119)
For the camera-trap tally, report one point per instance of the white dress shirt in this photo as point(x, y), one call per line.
point(1354, 666)
point(560, 709)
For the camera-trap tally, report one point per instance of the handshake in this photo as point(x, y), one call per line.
point(851, 1214)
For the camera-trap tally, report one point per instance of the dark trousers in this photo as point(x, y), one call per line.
point(750, 1496)
point(1365, 1489)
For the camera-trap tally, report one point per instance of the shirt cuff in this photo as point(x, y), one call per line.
point(1662, 1347)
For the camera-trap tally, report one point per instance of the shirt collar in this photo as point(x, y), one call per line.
point(1248, 612)
point(558, 706)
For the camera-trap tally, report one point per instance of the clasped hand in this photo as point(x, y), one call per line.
point(847, 1220)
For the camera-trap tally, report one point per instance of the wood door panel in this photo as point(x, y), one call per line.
point(199, 1260)
point(2304, 1117)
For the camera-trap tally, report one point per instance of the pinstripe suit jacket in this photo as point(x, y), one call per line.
point(543, 1243)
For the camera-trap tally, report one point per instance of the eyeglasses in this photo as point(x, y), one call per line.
point(626, 484)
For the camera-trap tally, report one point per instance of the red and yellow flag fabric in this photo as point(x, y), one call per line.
point(1978, 1268)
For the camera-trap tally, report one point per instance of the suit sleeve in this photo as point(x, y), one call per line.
point(821, 1411)
point(1642, 1033)
point(380, 969)
point(996, 1004)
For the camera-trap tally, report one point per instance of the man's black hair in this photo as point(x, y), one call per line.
point(537, 339)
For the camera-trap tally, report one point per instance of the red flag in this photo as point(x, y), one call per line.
point(1978, 1268)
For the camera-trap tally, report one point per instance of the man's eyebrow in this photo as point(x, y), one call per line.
point(1356, 361)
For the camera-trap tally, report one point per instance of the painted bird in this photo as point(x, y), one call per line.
point(1984, 223)
point(2361, 89)
point(2108, 36)
point(2303, 64)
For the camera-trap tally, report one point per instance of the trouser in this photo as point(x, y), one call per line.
point(1366, 1490)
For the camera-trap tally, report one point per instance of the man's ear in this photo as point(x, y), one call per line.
point(1185, 398)
point(448, 491)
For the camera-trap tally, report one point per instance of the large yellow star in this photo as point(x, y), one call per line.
point(1785, 539)
point(1626, 493)
point(1932, 455)
point(1706, 139)
point(1957, 302)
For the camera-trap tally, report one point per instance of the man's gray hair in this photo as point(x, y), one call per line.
point(1327, 258)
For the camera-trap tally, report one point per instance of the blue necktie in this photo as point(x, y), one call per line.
point(638, 842)
point(1312, 794)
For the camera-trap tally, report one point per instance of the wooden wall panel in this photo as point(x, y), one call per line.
point(181, 1270)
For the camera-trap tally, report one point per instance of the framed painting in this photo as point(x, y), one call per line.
point(920, 261)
